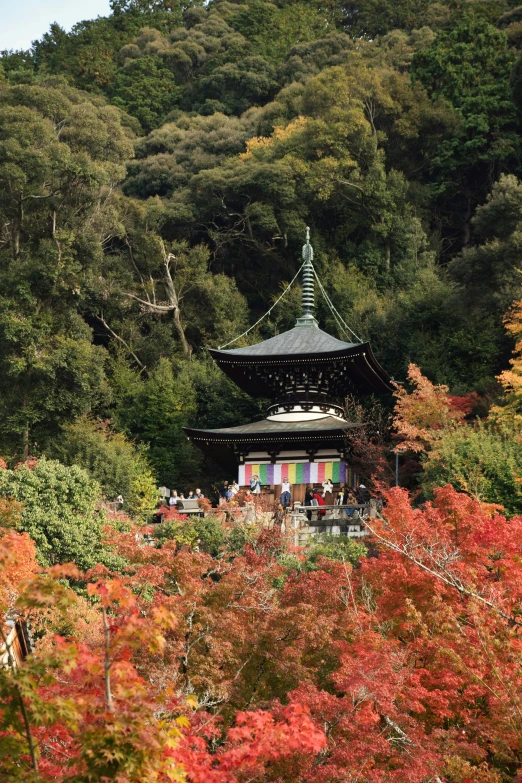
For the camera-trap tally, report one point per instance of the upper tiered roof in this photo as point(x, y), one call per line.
point(299, 341)
point(304, 364)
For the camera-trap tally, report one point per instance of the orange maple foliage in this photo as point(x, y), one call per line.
point(422, 415)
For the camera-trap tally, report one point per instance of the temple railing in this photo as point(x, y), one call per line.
point(363, 509)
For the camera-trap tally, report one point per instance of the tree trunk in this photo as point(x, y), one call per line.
point(25, 435)
point(173, 300)
point(466, 227)
point(16, 229)
point(187, 348)
point(107, 663)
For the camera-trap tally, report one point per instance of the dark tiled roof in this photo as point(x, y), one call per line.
point(277, 429)
point(299, 340)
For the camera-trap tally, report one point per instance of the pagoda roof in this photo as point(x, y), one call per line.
point(351, 367)
point(300, 341)
point(222, 444)
point(270, 430)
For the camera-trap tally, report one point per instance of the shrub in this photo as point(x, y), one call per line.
point(483, 461)
point(59, 512)
point(120, 467)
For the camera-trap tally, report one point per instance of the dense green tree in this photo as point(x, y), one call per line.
point(60, 512)
point(327, 167)
point(214, 63)
point(89, 53)
point(163, 14)
point(146, 90)
point(220, 403)
point(50, 371)
point(235, 86)
point(273, 31)
point(112, 460)
point(428, 323)
point(167, 283)
point(17, 66)
point(168, 157)
point(489, 269)
point(482, 461)
point(60, 157)
point(469, 66)
point(307, 59)
point(153, 412)
point(377, 17)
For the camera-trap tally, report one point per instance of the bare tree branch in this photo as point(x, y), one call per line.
point(120, 339)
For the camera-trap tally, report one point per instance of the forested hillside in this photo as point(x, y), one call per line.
point(158, 168)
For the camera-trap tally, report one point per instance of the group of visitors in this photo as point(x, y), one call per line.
point(175, 503)
point(227, 491)
point(286, 495)
point(317, 496)
point(347, 496)
point(323, 495)
point(177, 500)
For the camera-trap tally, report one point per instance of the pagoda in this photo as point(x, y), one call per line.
point(306, 374)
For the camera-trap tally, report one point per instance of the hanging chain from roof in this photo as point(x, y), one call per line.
point(341, 323)
point(290, 284)
point(309, 273)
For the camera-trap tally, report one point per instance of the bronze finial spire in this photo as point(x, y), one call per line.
point(308, 300)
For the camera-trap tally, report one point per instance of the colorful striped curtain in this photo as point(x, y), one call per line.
point(298, 473)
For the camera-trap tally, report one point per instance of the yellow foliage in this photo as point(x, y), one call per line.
point(145, 494)
point(510, 412)
point(458, 770)
point(259, 144)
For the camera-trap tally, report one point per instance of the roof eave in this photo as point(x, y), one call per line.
point(230, 357)
point(217, 436)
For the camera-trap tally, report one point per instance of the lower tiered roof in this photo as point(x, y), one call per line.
point(227, 443)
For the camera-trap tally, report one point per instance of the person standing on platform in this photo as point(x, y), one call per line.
point(309, 501)
point(223, 489)
point(255, 485)
point(362, 495)
point(285, 493)
point(320, 501)
point(350, 500)
point(339, 501)
point(327, 488)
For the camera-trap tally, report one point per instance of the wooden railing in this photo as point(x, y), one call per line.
point(362, 508)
